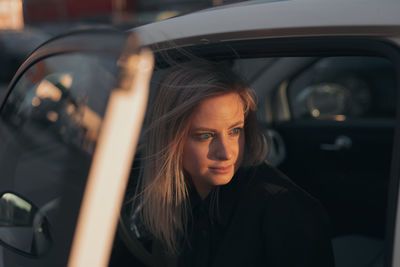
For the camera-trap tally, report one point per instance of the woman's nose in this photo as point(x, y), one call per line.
point(222, 149)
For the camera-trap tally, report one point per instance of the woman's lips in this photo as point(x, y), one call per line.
point(221, 170)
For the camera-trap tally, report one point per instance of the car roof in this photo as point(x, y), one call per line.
point(262, 19)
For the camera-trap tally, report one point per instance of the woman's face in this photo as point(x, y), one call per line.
point(213, 150)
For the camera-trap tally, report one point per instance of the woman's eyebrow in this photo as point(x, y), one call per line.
point(214, 130)
point(203, 129)
point(236, 124)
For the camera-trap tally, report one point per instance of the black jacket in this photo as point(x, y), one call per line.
point(260, 218)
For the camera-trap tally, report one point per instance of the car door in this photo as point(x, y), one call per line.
point(50, 125)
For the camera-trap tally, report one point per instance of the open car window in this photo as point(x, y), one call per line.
point(330, 122)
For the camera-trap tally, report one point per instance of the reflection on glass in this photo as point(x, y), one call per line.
point(327, 100)
point(355, 87)
point(52, 116)
point(66, 80)
point(315, 113)
point(339, 118)
point(60, 100)
point(46, 89)
point(14, 211)
point(36, 101)
point(48, 131)
point(49, 127)
point(22, 225)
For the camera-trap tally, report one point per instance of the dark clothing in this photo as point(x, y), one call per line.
point(260, 218)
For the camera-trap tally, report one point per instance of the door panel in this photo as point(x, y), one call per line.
point(352, 183)
point(339, 138)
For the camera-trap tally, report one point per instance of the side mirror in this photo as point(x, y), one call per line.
point(22, 225)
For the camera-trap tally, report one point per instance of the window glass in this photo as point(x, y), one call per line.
point(340, 88)
point(343, 165)
point(49, 127)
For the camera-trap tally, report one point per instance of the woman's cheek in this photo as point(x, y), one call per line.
point(241, 148)
point(195, 156)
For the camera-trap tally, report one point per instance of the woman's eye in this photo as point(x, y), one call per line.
point(236, 131)
point(205, 136)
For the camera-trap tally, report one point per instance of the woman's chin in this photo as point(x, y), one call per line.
point(221, 179)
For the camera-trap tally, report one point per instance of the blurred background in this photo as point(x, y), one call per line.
point(25, 24)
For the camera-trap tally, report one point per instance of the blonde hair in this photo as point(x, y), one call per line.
point(162, 185)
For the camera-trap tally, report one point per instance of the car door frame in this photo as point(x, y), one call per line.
point(314, 28)
point(314, 44)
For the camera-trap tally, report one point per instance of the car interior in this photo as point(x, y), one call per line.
point(330, 122)
point(332, 125)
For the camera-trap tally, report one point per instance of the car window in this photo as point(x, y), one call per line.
point(49, 126)
point(330, 122)
point(330, 125)
point(340, 88)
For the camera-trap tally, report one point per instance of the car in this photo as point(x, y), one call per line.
point(326, 75)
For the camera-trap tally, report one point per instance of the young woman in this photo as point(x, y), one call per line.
point(205, 191)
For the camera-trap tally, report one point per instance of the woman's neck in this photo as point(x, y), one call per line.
point(203, 192)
